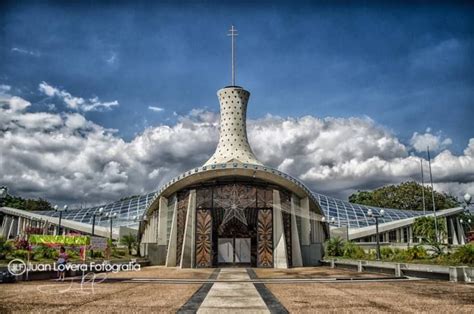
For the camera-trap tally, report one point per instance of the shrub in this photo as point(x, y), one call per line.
point(398, 254)
point(22, 244)
point(386, 253)
point(23, 254)
point(119, 252)
point(72, 254)
point(334, 246)
point(372, 254)
point(464, 254)
point(98, 254)
point(44, 252)
point(6, 248)
point(130, 241)
point(352, 250)
point(415, 252)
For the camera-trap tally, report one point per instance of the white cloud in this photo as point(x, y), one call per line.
point(26, 52)
point(420, 142)
point(76, 103)
point(112, 59)
point(65, 157)
point(156, 109)
point(18, 104)
point(4, 88)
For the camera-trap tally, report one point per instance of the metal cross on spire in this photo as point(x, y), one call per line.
point(233, 34)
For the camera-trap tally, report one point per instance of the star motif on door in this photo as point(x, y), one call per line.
point(234, 204)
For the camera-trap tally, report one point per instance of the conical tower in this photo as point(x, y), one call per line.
point(233, 142)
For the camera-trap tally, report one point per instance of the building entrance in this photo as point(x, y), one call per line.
point(234, 250)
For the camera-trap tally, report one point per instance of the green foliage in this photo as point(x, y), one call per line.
point(98, 254)
point(44, 252)
point(6, 247)
point(352, 250)
point(72, 254)
point(464, 254)
point(130, 240)
point(424, 228)
point(386, 252)
point(117, 252)
point(334, 246)
point(407, 195)
point(415, 252)
point(25, 204)
point(23, 254)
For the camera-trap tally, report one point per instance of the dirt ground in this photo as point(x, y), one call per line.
point(162, 272)
point(322, 297)
point(52, 296)
point(312, 272)
point(47, 296)
point(375, 297)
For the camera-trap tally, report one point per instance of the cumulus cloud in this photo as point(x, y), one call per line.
point(76, 103)
point(420, 142)
point(65, 157)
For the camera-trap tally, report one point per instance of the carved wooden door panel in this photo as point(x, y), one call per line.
point(265, 238)
point(203, 238)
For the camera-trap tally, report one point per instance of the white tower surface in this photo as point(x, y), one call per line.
point(233, 143)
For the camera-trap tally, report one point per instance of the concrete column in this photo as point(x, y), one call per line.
point(18, 227)
point(453, 232)
point(162, 221)
point(457, 274)
point(187, 253)
point(3, 230)
point(398, 270)
point(10, 227)
point(305, 222)
point(280, 259)
point(297, 258)
point(359, 267)
point(172, 243)
point(462, 236)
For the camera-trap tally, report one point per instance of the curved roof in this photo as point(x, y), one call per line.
point(345, 213)
point(126, 209)
point(355, 215)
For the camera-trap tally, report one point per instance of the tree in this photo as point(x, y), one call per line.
point(130, 241)
point(25, 204)
point(407, 195)
point(334, 246)
point(424, 228)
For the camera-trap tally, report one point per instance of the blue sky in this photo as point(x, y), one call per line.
point(351, 91)
point(408, 67)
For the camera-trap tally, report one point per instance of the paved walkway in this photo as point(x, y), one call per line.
point(233, 297)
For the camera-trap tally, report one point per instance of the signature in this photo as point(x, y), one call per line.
point(87, 284)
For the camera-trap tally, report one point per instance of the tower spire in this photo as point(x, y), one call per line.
point(233, 33)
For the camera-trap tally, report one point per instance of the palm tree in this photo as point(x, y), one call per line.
point(334, 246)
point(130, 241)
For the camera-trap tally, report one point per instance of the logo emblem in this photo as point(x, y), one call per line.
point(17, 267)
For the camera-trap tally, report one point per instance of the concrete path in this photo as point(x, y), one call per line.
point(233, 297)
